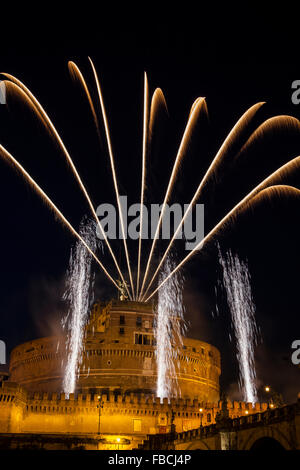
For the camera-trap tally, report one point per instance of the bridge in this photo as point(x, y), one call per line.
point(273, 429)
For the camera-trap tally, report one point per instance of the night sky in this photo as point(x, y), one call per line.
point(233, 68)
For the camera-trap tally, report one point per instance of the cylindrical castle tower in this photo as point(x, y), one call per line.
point(119, 357)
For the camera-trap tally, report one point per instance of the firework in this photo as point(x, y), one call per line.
point(236, 279)
point(196, 109)
point(77, 295)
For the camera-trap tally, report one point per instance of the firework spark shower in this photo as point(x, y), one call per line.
point(169, 331)
point(78, 296)
point(236, 279)
point(169, 285)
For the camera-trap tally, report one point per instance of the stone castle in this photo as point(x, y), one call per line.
point(114, 406)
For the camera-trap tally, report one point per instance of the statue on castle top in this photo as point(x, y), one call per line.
point(123, 286)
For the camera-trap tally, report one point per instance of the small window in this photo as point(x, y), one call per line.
point(122, 331)
point(208, 417)
point(138, 339)
point(202, 350)
point(146, 339)
point(138, 321)
point(194, 349)
point(122, 320)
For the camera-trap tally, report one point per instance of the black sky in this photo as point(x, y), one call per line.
point(233, 67)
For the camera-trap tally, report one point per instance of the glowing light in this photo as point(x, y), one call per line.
point(112, 164)
point(197, 107)
point(145, 126)
point(168, 332)
point(267, 389)
point(233, 135)
point(76, 73)
point(6, 155)
point(77, 295)
point(169, 310)
point(236, 280)
point(158, 102)
point(271, 126)
point(19, 88)
point(283, 172)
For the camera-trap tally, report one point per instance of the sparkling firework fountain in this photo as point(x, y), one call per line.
point(236, 280)
point(78, 296)
point(169, 283)
point(169, 330)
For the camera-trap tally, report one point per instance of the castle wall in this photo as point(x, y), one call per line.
point(12, 406)
point(131, 417)
point(119, 365)
point(119, 354)
point(38, 365)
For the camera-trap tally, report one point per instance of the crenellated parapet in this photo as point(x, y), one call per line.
point(140, 402)
point(121, 413)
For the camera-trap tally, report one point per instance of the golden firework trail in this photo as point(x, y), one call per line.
point(233, 135)
point(6, 155)
point(76, 73)
point(26, 94)
point(145, 136)
point(272, 179)
point(198, 105)
point(264, 189)
point(112, 163)
point(269, 193)
point(271, 125)
point(158, 100)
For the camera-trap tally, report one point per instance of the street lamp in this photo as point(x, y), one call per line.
point(99, 406)
point(173, 428)
point(270, 402)
point(275, 399)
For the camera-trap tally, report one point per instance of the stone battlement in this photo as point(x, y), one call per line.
point(127, 414)
point(9, 391)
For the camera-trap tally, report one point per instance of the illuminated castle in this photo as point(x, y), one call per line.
point(119, 357)
point(115, 404)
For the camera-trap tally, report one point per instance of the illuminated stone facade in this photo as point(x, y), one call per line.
point(54, 421)
point(119, 357)
point(118, 372)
